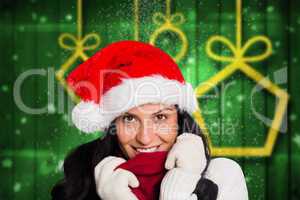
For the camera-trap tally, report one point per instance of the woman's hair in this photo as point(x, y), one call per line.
point(79, 183)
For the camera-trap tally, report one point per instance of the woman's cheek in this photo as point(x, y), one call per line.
point(167, 130)
point(125, 135)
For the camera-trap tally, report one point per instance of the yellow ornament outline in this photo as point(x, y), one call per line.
point(169, 23)
point(238, 62)
point(78, 47)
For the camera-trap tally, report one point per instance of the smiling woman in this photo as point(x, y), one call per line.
point(152, 148)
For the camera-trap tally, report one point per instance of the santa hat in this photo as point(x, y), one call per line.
point(124, 75)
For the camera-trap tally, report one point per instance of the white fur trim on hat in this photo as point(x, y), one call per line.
point(90, 117)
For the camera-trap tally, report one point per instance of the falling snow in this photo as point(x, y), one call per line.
point(23, 120)
point(34, 16)
point(191, 60)
point(69, 17)
point(296, 139)
point(4, 88)
point(248, 178)
point(298, 20)
point(7, 163)
point(228, 104)
point(293, 117)
point(254, 27)
point(49, 54)
point(17, 132)
point(295, 60)
point(43, 19)
point(21, 28)
point(17, 187)
point(277, 44)
point(240, 97)
point(291, 29)
point(15, 57)
point(270, 9)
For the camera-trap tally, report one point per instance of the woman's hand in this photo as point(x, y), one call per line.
point(185, 162)
point(114, 184)
point(179, 184)
point(187, 153)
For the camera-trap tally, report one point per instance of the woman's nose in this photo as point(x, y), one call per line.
point(145, 134)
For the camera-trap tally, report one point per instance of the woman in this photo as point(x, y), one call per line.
point(136, 94)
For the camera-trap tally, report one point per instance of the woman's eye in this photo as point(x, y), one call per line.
point(160, 117)
point(128, 118)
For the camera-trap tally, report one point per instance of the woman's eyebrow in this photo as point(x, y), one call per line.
point(128, 113)
point(168, 108)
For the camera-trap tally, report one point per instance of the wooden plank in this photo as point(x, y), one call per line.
point(7, 130)
point(187, 64)
point(25, 127)
point(294, 108)
point(208, 24)
point(277, 19)
point(49, 125)
point(254, 131)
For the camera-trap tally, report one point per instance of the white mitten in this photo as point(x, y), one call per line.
point(229, 177)
point(179, 184)
point(187, 153)
point(114, 184)
point(185, 162)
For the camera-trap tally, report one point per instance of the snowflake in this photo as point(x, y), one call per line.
point(277, 44)
point(17, 187)
point(245, 10)
point(191, 60)
point(33, 16)
point(295, 59)
point(240, 97)
point(15, 57)
point(293, 117)
point(229, 104)
point(23, 120)
point(49, 54)
point(7, 163)
point(43, 19)
point(254, 27)
point(17, 132)
point(270, 9)
point(290, 29)
point(248, 178)
point(296, 139)
point(21, 28)
point(165, 41)
point(215, 124)
point(69, 17)
point(4, 88)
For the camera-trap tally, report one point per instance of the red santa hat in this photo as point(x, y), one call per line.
point(124, 75)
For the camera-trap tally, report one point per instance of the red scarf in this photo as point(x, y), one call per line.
point(149, 169)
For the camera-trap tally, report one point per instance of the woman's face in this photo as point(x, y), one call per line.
point(147, 128)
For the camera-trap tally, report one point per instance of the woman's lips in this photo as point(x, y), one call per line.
point(146, 150)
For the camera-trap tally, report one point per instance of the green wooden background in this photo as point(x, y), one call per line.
point(33, 147)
